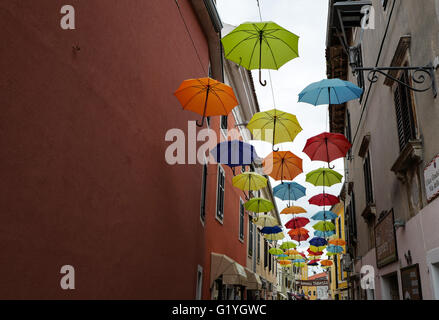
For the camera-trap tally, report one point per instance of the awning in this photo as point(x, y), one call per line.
point(253, 280)
point(282, 295)
point(233, 273)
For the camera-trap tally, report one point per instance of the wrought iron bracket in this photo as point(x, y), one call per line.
point(418, 75)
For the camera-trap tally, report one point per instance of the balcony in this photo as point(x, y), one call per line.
point(410, 156)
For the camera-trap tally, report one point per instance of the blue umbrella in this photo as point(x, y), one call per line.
point(271, 230)
point(324, 215)
point(234, 153)
point(299, 260)
point(334, 249)
point(289, 191)
point(324, 234)
point(318, 242)
point(330, 91)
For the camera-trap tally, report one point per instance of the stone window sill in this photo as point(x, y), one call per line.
point(410, 156)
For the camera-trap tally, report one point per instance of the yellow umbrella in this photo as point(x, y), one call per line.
point(265, 221)
point(249, 181)
point(274, 126)
point(317, 249)
point(291, 252)
point(274, 236)
point(293, 210)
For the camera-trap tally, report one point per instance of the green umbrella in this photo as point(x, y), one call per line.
point(260, 45)
point(275, 251)
point(288, 245)
point(323, 177)
point(324, 226)
point(257, 205)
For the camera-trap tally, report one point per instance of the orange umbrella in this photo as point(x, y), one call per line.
point(291, 252)
point(206, 97)
point(337, 242)
point(282, 165)
point(284, 262)
point(300, 234)
point(326, 263)
point(293, 210)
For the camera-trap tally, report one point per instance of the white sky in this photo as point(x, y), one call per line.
point(307, 19)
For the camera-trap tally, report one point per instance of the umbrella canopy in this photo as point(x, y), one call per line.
point(300, 264)
point(284, 262)
point(335, 249)
point(291, 252)
point(324, 177)
point(317, 249)
point(326, 263)
point(283, 257)
point(324, 199)
point(275, 251)
point(234, 153)
point(288, 245)
point(330, 91)
point(289, 191)
point(299, 235)
point(260, 45)
point(324, 215)
point(293, 210)
point(324, 234)
point(318, 242)
point(257, 205)
point(275, 236)
point(249, 181)
point(265, 221)
point(206, 97)
point(324, 226)
point(271, 230)
point(329, 254)
point(282, 165)
point(297, 223)
point(314, 262)
point(299, 260)
point(327, 147)
point(274, 126)
point(337, 242)
point(314, 253)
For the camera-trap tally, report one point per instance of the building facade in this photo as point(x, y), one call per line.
point(391, 180)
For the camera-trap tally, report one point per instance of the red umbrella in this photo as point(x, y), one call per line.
point(312, 253)
point(297, 223)
point(324, 199)
point(300, 234)
point(327, 147)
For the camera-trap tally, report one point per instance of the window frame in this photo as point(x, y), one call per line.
point(204, 173)
point(241, 235)
point(217, 217)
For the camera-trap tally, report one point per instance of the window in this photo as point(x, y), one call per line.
point(339, 228)
point(384, 4)
point(368, 179)
point(203, 191)
point(360, 74)
point(352, 218)
point(250, 236)
point(199, 283)
point(220, 194)
point(265, 253)
point(269, 261)
point(404, 112)
point(241, 219)
point(224, 123)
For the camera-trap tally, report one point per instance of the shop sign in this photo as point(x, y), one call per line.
point(385, 240)
point(431, 179)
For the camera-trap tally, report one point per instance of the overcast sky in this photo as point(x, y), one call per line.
point(307, 19)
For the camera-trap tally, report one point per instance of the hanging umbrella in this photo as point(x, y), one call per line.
point(274, 126)
point(291, 252)
point(318, 242)
point(324, 234)
point(275, 251)
point(282, 257)
point(300, 264)
point(314, 262)
point(284, 262)
point(326, 263)
point(317, 249)
point(282, 165)
point(299, 260)
point(330, 91)
point(324, 177)
point(288, 245)
point(299, 235)
point(271, 230)
point(293, 210)
point(337, 242)
point(249, 181)
point(314, 253)
point(324, 215)
point(234, 153)
point(275, 236)
point(258, 205)
point(265, 221)
point(324, 199)
point(335, 249)
point(324, 226)
point(297, 223)
point(260, 45)
point(330, 254)
point(290, 191)
point(327, 147)
point(206, 97)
